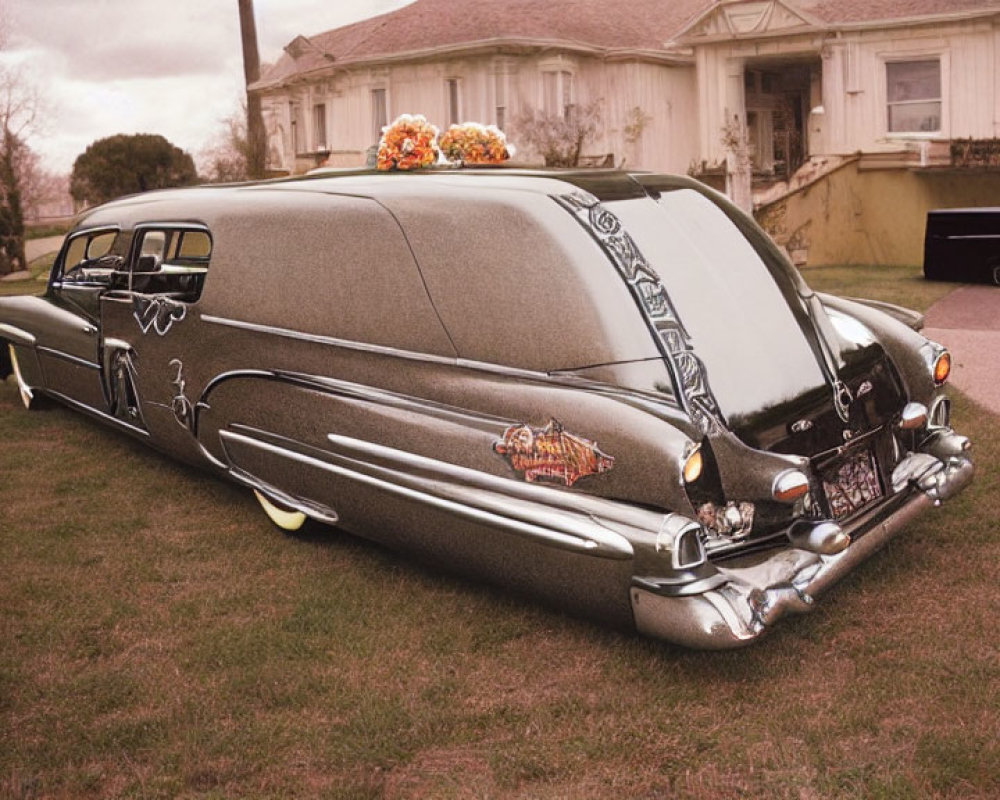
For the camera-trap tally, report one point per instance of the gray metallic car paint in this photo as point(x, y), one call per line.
point(364, 342)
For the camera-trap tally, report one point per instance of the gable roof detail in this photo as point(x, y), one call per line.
point(737, 18)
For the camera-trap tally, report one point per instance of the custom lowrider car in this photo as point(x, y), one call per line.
point(606, 389)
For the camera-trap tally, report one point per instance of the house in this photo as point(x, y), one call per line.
point(858, 113)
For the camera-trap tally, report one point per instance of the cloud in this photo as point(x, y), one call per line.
point(104, 67)
point(137, 39)
point(169, 106)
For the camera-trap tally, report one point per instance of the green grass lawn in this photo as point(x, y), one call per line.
point(160, 639)
point(904, 286)
point(39, 269)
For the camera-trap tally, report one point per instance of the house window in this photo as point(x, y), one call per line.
point(380, 112)
point(319, 126)
point(557, 93)
point(500, 98)
point(295, 118)
point(454, 101)
point(913, 89)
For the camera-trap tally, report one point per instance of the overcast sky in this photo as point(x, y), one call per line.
point(172, 67)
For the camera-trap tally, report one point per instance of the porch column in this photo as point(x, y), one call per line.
point(834, 98)
point(734, 133)
point(708, 105)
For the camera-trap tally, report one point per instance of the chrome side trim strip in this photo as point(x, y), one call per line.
point(315, 511)
point(594, 508)
point(378, 349)
point(93, 412)
point(559, 377)
point(487, 492)
point(575, 535)
point(16, 335)
point(117, 344)
point(347, 344)
point(82, 362)
point(384, 397)
point(610, 514)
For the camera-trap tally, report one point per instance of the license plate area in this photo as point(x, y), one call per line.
point(851, 484)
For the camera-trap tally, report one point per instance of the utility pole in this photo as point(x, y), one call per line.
point(256, 137)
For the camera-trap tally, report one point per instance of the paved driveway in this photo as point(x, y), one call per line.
point(967, 322)
point(33, 248)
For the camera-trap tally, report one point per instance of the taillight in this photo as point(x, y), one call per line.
point(942, 367)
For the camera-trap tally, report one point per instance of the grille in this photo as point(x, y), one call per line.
point(851, 484)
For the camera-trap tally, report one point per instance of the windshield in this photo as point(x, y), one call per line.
point(738, 321)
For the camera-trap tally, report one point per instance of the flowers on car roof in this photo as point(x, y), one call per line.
point(411, 142)
point(472, 143)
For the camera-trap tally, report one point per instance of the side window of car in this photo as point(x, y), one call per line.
point(89, 257)
point(170, 261)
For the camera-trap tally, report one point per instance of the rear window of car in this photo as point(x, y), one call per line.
point(738, 320)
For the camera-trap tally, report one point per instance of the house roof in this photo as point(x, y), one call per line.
point(427, 27)
point(851, 11)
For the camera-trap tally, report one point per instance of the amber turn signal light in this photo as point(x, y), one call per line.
point(692, 466)
point(942, 368)
point(789, 486)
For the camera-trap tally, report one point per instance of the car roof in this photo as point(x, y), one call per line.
point(193, 202)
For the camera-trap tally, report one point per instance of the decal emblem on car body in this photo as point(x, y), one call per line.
point(551, 454)
point(158, 313)
point(179, 404)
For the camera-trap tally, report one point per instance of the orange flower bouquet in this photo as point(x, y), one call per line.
point(408, 143)
point(472, 143)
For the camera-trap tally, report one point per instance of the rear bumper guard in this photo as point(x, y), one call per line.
point(758, 590)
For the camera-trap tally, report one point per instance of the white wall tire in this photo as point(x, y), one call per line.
point(287, 519)
point(27, 396)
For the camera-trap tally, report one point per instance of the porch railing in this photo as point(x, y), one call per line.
point(975, 153)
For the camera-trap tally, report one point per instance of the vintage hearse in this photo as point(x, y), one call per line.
point(606, 389)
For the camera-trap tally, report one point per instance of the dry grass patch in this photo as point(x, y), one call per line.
point(162, 640)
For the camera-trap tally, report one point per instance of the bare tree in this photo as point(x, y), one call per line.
point(256, 135)
point(39, 186)
point(559, 139)
point(18, 108)
point(226, 158)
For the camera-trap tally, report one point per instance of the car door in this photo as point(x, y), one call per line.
point(141, 314)
point(69, 349)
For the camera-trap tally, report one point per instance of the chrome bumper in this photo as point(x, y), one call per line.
point(755, 591)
